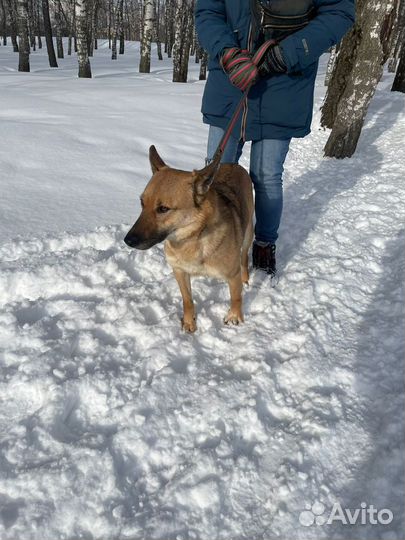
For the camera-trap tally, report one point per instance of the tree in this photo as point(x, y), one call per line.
point(72, 23)
point(169, 26)
point(58, 24)
point(398, 37)
point(147, 34)
point(13, 23)
point(399, 81)
point(82, 39)
point(117, 28)
point(38, 24)
point(183, 36)
point(203, 66)
point(4, 20)
point(331, 64)
point(357, 72)
point(24, 44)
point(157, 31)
point(48, 34)
point(31, 24)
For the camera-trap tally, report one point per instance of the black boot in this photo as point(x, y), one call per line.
point(264, 257)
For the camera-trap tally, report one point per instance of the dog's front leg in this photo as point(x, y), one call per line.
point(234, 315)
point(188, 321)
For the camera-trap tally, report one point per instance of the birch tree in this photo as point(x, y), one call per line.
point(48, 34)
point(72, 24)
point(12, 13)
point(157, 30)
point(183, 36)
point(203, 66)
point(31, 24)
point(331, 64)
point(147, 35)
point(82, 39)
point(58, 25)
point(4, 21)
point(399, 81)
point(118, 16)
point(24, 43)
point(38, 23)
point(358, 70)
point(398, 38)
point(169, 26)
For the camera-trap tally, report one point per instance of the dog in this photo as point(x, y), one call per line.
point(205, 218)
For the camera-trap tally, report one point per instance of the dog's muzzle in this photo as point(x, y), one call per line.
point(134, 241)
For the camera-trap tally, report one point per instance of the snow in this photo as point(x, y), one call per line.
point(116, 425)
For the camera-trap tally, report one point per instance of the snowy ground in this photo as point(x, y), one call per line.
point(116, 425)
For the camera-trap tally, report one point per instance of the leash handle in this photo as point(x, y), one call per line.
point(256, 59)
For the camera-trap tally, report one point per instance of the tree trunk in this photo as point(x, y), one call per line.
point(89, 24)
point(95, 24)
point(31, 25)
point(182, 39)
point(48, 34)
point(388, 29)
point(339, 78)
point(58, 24)
point(117, 26)
point(170, 26)
point(24, 43)
point(121, 28)
point(361, 80)
point(38, 25)
point(398, 37)
point(399, 81)
point(147, 34)
point(331, 64)
point(13, 23)
point(4, 20)
point(187, 41)
point(203, 66)
point(122, 42)
point(71, 27)
point(82, 39)
point(178, 34)
point(157, 30)
point(109, 23)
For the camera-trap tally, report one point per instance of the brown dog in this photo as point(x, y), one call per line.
point(206, 220)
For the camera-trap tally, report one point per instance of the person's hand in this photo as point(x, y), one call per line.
point(269, 59)
point(239, 66)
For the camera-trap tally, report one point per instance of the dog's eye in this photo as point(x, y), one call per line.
point(162, 209)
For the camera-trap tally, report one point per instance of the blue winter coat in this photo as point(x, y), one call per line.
point(279, 107)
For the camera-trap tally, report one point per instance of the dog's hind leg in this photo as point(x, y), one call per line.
point(234, 315)
point(247, 242)
point(188, 320)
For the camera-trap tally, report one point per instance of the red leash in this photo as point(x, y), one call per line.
point(228, 132)
point(256, 59)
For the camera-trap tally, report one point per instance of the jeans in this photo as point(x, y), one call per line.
point(267, 158)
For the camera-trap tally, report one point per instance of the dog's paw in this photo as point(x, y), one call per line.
point(233, 318)
point(245, 276)
point(189, 326)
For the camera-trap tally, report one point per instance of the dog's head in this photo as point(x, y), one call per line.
point(171, 203)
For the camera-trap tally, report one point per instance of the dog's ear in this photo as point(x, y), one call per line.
point(203, 180)
point(156, 162)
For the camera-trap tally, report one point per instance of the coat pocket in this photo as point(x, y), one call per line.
point(288, 100)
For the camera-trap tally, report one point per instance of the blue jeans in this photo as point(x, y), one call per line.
point(266, 170)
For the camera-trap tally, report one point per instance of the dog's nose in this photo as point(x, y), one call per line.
point(131, 240)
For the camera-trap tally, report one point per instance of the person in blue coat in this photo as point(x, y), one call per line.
point(275, 46)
